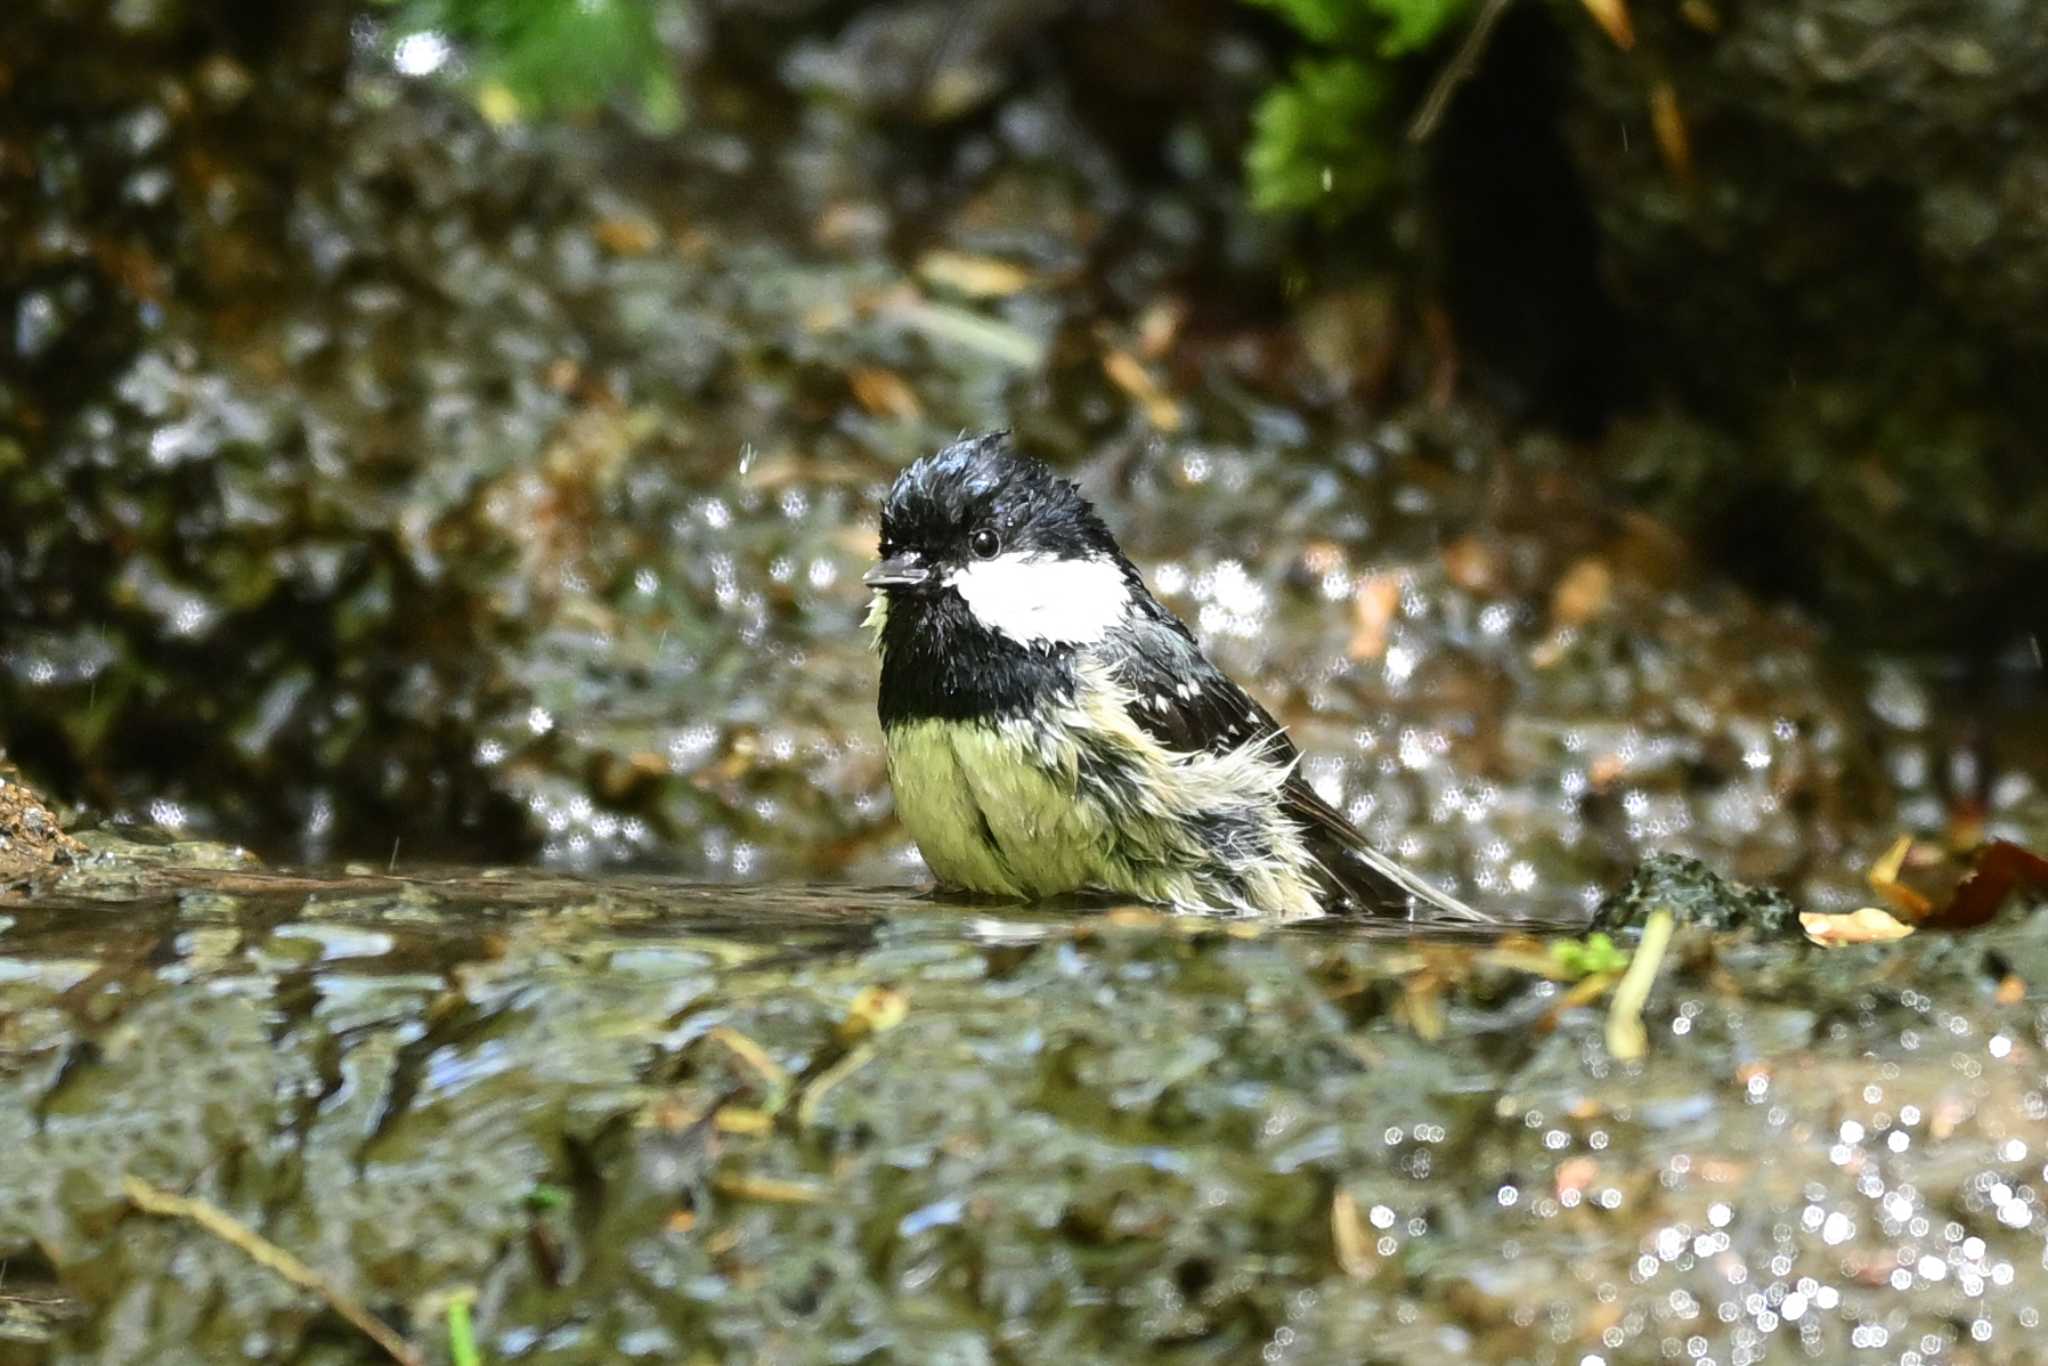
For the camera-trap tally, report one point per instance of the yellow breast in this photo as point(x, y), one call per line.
point(991, 812)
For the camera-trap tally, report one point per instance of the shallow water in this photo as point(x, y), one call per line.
point(510, 493)
point(641, 1119)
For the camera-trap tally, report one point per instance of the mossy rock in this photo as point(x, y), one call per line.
point(1837, 291)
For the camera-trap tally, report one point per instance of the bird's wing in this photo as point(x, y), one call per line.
point(1182, 700)
point(1361, 874)
point(1189, 705)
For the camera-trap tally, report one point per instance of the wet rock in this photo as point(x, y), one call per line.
point(32, 843)
point(1829, 289)
point(1696, 895)
point(637, 1117)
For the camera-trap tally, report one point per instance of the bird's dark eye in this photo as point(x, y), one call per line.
point(985, 543)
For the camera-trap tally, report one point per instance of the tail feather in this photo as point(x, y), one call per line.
point(1358, 874)
point(1368, 879)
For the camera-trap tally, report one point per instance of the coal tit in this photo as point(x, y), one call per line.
point(1053, 729)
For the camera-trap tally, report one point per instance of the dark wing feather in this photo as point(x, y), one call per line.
point(1360, 874)
point(1183, 701)
point(1188, 704)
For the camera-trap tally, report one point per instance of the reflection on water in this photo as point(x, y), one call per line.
point(641, 1116)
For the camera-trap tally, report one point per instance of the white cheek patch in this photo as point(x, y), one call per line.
point(1042, 601)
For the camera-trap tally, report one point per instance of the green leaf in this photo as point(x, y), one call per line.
point(1393, 28)
point(546, 1195)
point(557, 55)
point(1320, 142)
point(1412, 25)
point(462, 1334)
point(1329, 22)
point(1584, 957)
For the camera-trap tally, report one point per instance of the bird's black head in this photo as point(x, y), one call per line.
point(978, 500)
point(994, 570)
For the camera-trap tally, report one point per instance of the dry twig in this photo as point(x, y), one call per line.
point(1457, 71)
point(268, 1255)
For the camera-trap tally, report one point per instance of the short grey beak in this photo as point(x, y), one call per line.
point(898, 571)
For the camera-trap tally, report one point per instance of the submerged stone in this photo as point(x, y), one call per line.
point(1697, 895)
point(635, 1117)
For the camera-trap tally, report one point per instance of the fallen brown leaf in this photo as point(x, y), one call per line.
point(849, 223)
point(874, 1010)
point(1612, 16)
point(1576, 1173)
point(674, 1114)
point(743, 1120)
point(978, 277)
point(1129, 374)
point(1585, 991)
point(827, 315)
point(1870, 925)
point(1667, 121)
point(1472, 564)
point(1586, 591)
point(626, 236)
point(1350, 1238)
point(1373, 608)
point(884, 393)
point(1422, 1005)
point(754, 1057)
point(1700, 15)
point(767, 1189)
point(1999, 869)
point(1948, 1114)
point(1159, 325)
point(1319, 559)
point(1883, 878)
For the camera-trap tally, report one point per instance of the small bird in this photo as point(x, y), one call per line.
point(1052, 729)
